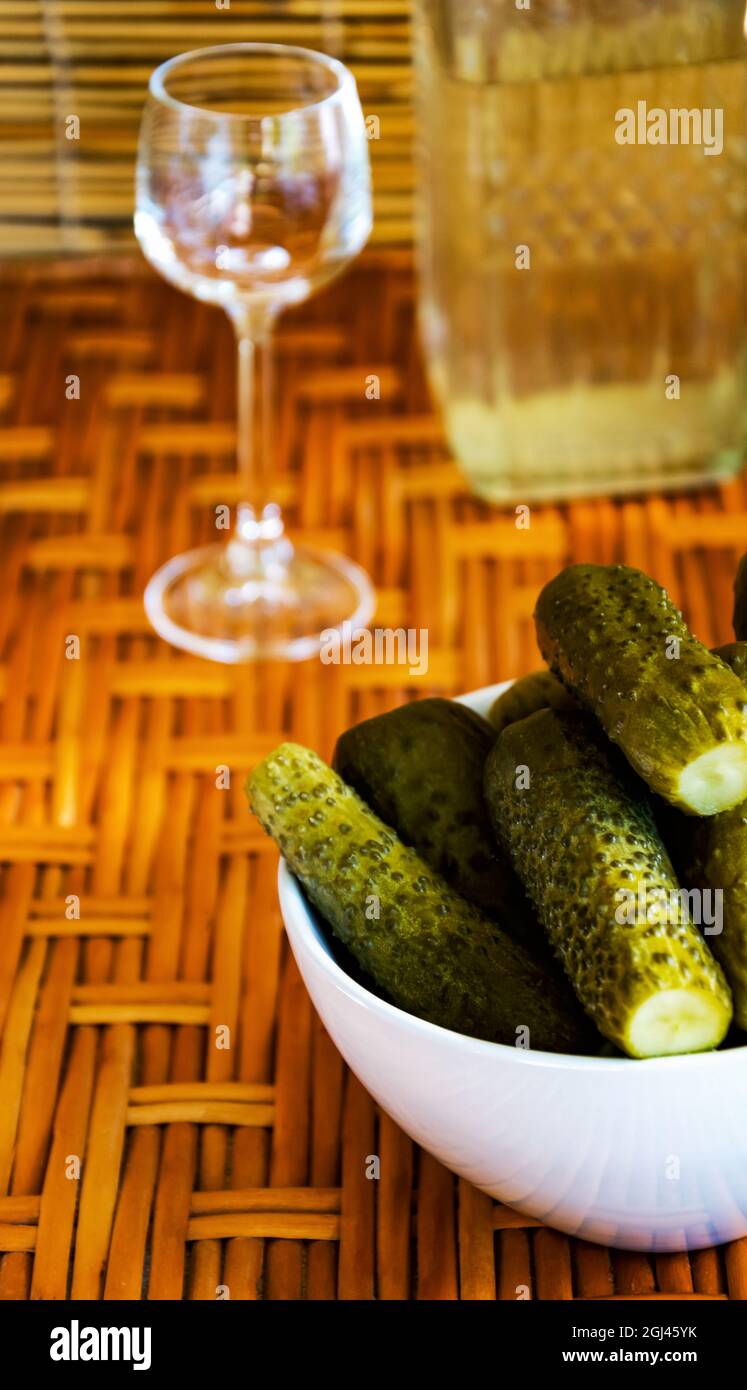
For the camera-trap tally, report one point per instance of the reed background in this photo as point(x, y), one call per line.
point(92, 59)
point(200, 1167)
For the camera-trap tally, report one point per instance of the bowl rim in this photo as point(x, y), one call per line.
point(294, 905)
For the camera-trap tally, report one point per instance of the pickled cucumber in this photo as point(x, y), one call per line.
point(575, 821)
point(740, 601)
point(735, 655)
point(678, 713)
point(420, 768)
point(722, 868)
point(718, 863)
point(538, 690)
point(432, 953)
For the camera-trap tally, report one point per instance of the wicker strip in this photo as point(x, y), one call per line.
point(93, 61)
point(138, 909)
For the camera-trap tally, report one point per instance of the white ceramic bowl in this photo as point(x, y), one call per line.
point(641, 1155)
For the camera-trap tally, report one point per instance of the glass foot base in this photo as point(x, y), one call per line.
point(236, 603)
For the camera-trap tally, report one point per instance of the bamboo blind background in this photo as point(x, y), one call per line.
point(92, 58)
point(245, 1167)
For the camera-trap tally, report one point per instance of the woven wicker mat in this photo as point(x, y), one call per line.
point(203, 1167)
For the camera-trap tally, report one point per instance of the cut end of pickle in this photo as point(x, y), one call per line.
point(678, 1020)
point(715, 781)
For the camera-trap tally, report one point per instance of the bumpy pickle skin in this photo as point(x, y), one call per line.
point(735, 655)
point(718, 861)
point(579, 834)
point(538, 690)
point(420, 768)
point(432, 953)
point(678, 713)
point(686, 836)
point(725, 868)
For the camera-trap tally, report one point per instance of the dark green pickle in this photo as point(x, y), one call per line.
point(431, 952)
point(678, 713)
point(735, 655)
point(538, 690)
point(420, 768)
point(715, 858)
point(578, 828)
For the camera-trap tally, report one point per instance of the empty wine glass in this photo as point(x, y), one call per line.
point(253, 190)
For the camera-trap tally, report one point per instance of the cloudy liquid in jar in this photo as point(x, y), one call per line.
point(582, 300)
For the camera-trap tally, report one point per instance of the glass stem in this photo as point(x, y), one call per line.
point(254, 339)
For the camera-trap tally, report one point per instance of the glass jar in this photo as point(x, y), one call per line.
point(582, 212)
